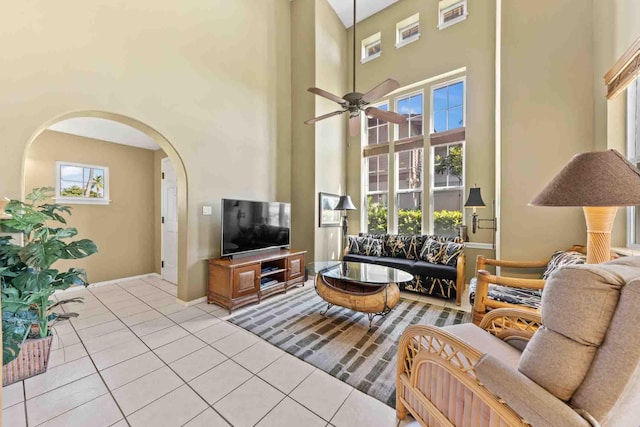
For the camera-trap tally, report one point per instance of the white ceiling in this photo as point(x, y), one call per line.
point(364, 9)
point(106, 130)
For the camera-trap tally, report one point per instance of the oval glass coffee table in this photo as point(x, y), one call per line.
point(367, 288)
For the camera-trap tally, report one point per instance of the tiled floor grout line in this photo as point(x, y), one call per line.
point(166, 364)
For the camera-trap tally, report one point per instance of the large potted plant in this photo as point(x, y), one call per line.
point(28, 280)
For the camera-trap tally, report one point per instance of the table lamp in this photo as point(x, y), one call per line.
point(599, 182)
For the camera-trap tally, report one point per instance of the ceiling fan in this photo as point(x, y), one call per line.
point(355, 102)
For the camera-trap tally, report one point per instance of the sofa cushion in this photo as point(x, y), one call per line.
point(451, 253)
point(361, 258)
point(364, 246)
point(520, 296)
point(399, 263)
point(561, 258)
point(485, 343)
point(427, 269)
point(528, 399)
point(398, 246)
point(578, 303)
point(432, 251)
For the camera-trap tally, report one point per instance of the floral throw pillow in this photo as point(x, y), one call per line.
point(561, 258)
point(433, 251)
point(365, 246)
point(451, 253)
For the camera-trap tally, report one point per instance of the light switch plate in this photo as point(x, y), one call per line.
point(207, 210)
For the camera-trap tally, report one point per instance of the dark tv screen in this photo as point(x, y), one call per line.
point(252, 226)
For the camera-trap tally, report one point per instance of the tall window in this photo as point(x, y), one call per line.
point(633, 154)
point(411, 108)
point(448, 107)
point(377, 193)
point(447, 187)
point(377, 166)
point(409, 191)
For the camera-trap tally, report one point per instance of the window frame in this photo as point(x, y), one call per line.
point(405, 24)
point(633, 155)
point(367, 43)
point(435, 87)
point(433, 189)
point(104, 200)
point(396, 127)
point(441, 12)
point(366, 193)
point(398, 191)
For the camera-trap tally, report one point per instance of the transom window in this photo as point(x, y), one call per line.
point(378, 130)
point(371, 47)
point(448, 107)
point(82, 184)
point(451, 12)
point(408, 30)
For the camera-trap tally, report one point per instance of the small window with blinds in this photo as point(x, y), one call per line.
point(451, 12)
point(371, 47)
point(408, 30)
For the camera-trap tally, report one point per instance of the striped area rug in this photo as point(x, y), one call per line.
point(341, 343)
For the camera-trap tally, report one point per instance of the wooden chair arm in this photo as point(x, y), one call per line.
point(482, 262)
point(512, 282)
point(500, 321)
point(461, 273)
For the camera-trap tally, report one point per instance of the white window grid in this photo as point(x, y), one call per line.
point(415, 191)
point(633, 154)
point(104, 200)
point(380, 124)
point(412, 119)
point(464, 102)
point(433, 189)
point(367, 192)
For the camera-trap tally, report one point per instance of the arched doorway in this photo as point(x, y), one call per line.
point(122, 228)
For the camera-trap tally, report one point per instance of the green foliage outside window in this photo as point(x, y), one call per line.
point(410, 220)
point(445, 222)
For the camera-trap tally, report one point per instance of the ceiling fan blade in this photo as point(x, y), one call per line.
point(327, 95)
point(381, 90)
point(354, 125)
point(388, 116)
point(322, 117)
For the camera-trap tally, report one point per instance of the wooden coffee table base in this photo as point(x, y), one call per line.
point(373, 300)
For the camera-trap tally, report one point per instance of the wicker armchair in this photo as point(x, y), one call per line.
point(579, 370)
point(483, 303)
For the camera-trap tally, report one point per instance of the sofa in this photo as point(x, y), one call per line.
point(576, 363)
point(436, 262)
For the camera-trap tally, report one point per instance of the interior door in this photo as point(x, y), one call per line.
point(169, 222)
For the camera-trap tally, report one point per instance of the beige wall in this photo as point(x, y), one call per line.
point(318, 52)
point(122, 230)
point(547, 117)
point(210, 76)
point(330, 134)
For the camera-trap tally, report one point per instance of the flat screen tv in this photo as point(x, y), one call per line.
point(249, 226)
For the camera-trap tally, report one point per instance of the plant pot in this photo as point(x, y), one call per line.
point(32, 360)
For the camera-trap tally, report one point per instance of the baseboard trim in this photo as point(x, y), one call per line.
point(192, 302)
point(123, 279)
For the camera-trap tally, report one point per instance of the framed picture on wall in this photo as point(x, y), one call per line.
point(328, 217)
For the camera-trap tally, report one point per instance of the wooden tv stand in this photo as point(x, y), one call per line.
point(237, 282)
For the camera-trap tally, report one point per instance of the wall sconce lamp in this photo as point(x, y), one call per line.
point(345, 204)
point(475, 201)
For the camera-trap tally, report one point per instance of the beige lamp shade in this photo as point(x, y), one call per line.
point(598, 178)
point(599, 182)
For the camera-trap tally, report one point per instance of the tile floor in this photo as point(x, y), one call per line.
point(136, 358)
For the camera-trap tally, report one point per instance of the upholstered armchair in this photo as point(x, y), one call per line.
point(575, 364)
point(489, 291)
